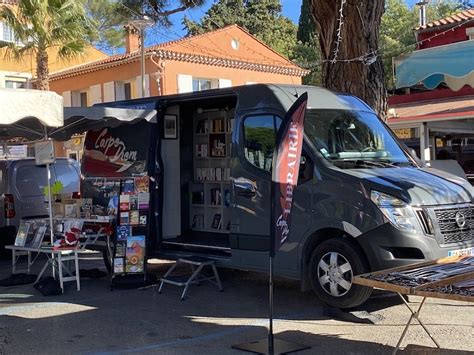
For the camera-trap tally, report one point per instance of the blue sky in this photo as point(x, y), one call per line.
point(291, 9)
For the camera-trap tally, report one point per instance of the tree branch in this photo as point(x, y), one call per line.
point(171, 12)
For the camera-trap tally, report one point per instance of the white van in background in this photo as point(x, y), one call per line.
point(21, 191)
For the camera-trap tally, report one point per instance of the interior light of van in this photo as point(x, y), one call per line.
point(400, 214)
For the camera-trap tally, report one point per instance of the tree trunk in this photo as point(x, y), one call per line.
point(42, 70)
point(360, 36)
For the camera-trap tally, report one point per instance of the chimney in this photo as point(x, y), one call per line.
point(422, 4)
point(132, 39)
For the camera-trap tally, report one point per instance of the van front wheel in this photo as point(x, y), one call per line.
point(332, 267)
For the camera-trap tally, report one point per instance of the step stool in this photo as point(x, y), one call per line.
point(197, 265)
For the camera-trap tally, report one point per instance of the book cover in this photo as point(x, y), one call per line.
point(217, 221)
point(142, 184)
point(143, 218)
point(135, 253)
point(124, 202)
point(118, 265)
point(124, 218)
point(134, 218)
point(198, 221)
point(120, 249)
point(128, 187)
point(39, 235)
point(133, 202)
point(143, 200)
point(123, 232)
point(22, 234)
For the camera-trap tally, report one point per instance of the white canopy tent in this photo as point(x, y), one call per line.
point(39, 115)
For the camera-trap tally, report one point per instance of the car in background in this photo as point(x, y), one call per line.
point(21, 191)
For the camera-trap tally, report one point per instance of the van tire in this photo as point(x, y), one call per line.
point(338, 251)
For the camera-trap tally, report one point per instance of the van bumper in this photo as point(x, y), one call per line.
point(388, 247)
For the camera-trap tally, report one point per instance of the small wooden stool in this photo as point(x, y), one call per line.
point(197, 265)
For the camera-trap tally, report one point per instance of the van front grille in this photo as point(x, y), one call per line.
point(456, 224)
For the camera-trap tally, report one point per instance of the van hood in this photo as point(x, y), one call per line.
point(417, 186)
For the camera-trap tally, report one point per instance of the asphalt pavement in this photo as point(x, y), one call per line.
point(97, 320)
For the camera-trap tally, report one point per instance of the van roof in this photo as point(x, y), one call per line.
point(275, 96)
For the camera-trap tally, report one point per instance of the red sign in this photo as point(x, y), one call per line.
point(116, 152)
point(286, 163)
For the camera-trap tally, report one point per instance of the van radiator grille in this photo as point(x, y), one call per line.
point(451, 225)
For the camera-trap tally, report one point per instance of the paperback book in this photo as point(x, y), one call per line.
point(135, 254)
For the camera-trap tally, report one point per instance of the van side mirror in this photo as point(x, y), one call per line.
point(413, 153)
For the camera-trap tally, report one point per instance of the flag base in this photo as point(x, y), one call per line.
point(280, 347)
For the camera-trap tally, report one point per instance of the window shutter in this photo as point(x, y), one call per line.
point(67, 99)
point(76, 99)
point(96, 94)
point(225, 83)
point(119, 91)
point(185, 83)
point(109, 92)
point(139, 86)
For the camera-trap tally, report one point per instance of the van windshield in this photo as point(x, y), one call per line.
point(354, 139)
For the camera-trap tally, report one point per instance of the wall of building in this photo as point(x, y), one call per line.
point(130, 72)
point(456, 35)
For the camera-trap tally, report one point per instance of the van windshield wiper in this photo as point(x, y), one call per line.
point(375, 163)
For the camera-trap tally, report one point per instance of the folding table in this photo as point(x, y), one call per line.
point(445, 285)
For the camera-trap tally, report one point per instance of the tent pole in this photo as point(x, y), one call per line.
point(50, 205)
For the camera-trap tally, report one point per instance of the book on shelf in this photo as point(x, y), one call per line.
point(123, 232)
point(202, 126)
point(218, 126)
point(124, 218)
point(134, 218)
point(118, 265)
point(217, 146)
point(216, 197)
point(230, 126)
point(128, 187)
point(212, 174)
point(198, 221)
point(143, 218)
point(142, 184)
point(143, 200)
point(217, 221)
point(201, 150)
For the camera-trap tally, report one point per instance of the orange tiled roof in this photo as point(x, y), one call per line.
point(467, 15)
point(192, 49)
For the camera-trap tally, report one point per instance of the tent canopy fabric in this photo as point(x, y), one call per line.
point(32, 113)
point(18, 104)
point(82, 119)
point(452, 64)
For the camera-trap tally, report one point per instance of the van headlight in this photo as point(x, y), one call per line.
point(397, 212)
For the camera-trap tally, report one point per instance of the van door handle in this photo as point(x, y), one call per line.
point(246, 192)
point(244, 187)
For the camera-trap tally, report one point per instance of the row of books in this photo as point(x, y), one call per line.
point(134, 186)
point(212, 174)
point(140, 201)
point(217, 125)
point(133, 218)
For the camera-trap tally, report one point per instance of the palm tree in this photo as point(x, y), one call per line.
point(40, 25)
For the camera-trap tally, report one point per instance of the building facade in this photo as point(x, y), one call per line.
point(226, 57)
point(18, 73)
point(433, 110)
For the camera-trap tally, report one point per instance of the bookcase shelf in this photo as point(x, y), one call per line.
point(210, 189)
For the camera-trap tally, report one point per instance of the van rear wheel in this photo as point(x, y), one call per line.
point(332, 267)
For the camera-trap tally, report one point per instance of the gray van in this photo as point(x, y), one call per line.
point(21, 188)
point(362, 203)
